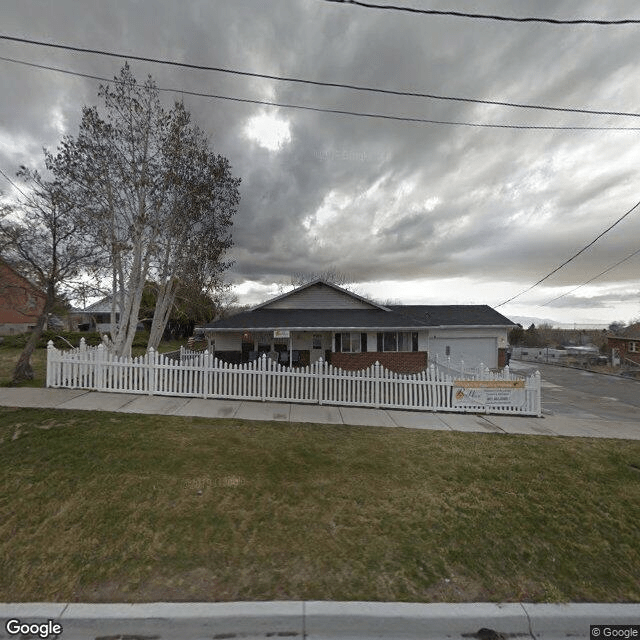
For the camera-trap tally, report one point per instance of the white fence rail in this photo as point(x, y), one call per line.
point(201, 375)
point(461, 370)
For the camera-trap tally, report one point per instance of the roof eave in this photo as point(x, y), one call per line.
point(470, 326)
point(308, 329)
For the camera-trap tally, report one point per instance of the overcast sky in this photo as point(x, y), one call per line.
point(417, 213)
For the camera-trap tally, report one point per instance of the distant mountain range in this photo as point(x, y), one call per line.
point(527, 321)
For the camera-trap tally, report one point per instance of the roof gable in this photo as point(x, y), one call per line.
point(320, 294)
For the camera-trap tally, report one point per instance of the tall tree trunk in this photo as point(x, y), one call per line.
point(24, 370)
point(162, 312)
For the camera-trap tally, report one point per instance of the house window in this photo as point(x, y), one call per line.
point(633, 347)
point(398, 341)
point(317, 341)
point(350, 342)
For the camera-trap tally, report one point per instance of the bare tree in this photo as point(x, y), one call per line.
point(331, 275)
point(152, 192)
point(39, 238)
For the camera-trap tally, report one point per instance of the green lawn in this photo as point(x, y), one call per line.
point(111, 507)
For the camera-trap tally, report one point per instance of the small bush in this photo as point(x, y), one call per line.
point(62, 339)
point(15, 342)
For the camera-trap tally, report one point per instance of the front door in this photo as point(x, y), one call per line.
point(317, 347)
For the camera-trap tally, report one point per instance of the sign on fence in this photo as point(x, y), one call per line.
point(490, 394)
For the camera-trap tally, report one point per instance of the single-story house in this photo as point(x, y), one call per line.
point(21, 302)
point(95, 317)
point(322, 320)
point(625, 347)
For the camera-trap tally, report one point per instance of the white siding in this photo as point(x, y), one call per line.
point(318, 296)
point(228, 341)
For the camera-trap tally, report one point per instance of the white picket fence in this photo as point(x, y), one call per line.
point(201, 375)
point(459, 369)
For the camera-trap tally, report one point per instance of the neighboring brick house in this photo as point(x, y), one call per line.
point(322, 320)
point(625, 347)
point(21, 303)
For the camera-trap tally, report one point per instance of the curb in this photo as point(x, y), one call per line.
point(320, 619)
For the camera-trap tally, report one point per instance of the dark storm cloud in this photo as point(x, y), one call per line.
point(377, 199)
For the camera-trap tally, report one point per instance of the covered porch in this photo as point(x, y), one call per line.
point(286, 347)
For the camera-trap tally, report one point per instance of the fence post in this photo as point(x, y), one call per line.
point(50, 352)
point(376, 384)
point(538, 385)
point(151, 370)
point(100, 353)
point(206, 378)
point(319, 371)
point(263, 376)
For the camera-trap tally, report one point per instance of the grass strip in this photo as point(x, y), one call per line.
point(119, 507)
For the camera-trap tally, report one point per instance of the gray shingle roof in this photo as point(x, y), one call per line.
point(399, 317)
point(455, 315)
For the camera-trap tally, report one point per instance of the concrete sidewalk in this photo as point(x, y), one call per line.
point(554, 425)
point(199, 620)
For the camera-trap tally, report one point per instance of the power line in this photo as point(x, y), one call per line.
point(13, 183)
point(484, 16)
point(318, 83)
point(575, 255)
point(336, 111)
point(617, 264)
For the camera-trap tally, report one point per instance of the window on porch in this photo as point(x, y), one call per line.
point(350, 342)
point(398, 341)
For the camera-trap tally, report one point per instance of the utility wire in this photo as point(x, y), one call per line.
point(617, 264)
point(13, 183)
point(575, 255)
point(484, 16)
point(318, 83)
point(337, 111)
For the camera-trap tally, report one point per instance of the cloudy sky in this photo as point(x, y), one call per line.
point(414, 212)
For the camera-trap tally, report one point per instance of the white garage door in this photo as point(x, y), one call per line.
point(472, 350)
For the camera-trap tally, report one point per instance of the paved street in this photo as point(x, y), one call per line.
point(576, 393)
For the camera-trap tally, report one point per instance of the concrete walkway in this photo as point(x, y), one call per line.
point(554, 425)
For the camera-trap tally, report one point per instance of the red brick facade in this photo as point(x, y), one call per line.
point(401, 362)
point(628, 348)
point(20, 302)
point(502, 358)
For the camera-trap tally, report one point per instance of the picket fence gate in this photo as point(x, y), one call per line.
point(199, 374)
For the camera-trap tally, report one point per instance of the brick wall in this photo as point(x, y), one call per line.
point(20, 302)
point(502, 357)
point(401, 362)
point(622, 347)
